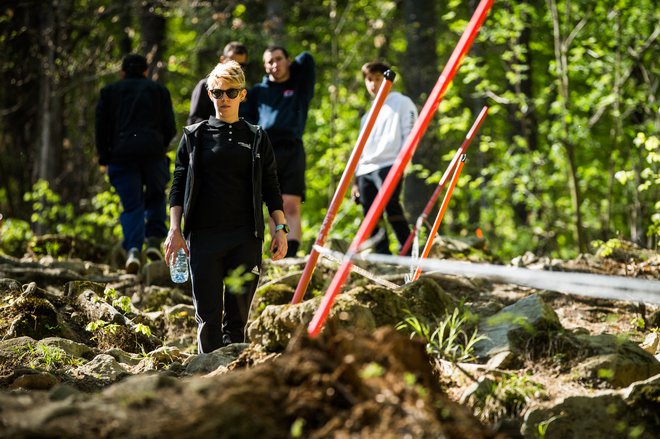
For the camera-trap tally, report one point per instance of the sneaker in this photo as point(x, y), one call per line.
point(153, 252)
point(133, 261)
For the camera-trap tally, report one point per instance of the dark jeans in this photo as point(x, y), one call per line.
point(141, 189)
point(220, 312)
point(369, 185)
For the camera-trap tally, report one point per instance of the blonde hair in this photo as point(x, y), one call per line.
point(229, 71)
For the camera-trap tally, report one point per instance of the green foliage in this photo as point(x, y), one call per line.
point(297, 428)
point(447, 338)
point(103, 326)
point(605, 249)
point(505, 397)
point(143, 329)
point(47, 357)
point(14, 236)
point(236, 278)
point(96, 222)
point(121, 303)
point(372, 370)
point(648, 180)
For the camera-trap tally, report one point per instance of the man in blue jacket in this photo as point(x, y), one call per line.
point(134, 127)
point(280, 104)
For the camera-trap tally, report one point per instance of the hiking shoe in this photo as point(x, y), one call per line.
point(133, 261)
point(153, 252)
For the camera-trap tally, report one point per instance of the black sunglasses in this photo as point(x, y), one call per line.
point(230, 92)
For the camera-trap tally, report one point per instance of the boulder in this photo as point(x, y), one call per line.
point(70, 347)
point(277, 323)
point(103, 367)
point(622, 414)
point(614, 361)
point(361, 308)
point(514, 326)
point(206, 363)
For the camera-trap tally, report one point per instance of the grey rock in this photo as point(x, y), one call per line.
point(9, 286)
point(135, 385)
point(277, 323)
point(616, 414)
point(34, 381)
point(509, 329)
point(157, 273)
point(361, 308)
point(205, 363)
point(103, 367)
point(70, 347)
point(62, 391)
point(615, 361)
point(123, 357)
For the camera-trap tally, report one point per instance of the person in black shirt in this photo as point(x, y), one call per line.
point(134, 127)
point(224, 171)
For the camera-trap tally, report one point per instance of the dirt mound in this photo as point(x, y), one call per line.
point(339, 385)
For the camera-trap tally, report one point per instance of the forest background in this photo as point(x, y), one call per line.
point(568, 155)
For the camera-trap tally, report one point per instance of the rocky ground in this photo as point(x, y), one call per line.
point(88, 351)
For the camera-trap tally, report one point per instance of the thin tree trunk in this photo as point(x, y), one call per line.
point(48, 164)
point(152, 24)
point(561, 48)
point(125, 19)
point(615, 133)
point(420, 72)
point(275, 20)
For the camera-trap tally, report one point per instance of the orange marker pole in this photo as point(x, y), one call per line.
point(402, 160)
point(443, 181)
point(441, 213)
point(343, 185)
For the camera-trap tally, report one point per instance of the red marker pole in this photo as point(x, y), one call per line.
point(402, 160)
point(343, 185)
point(443, 181)
point(441, 214)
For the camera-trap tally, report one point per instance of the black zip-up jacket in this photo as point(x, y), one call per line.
point(134, 120)
point(265, 186)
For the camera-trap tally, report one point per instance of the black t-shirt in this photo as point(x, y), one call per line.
point(225, 199)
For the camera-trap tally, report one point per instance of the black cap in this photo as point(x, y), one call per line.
point(133, 63)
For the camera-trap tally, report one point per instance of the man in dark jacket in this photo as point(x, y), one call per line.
point(134, 126)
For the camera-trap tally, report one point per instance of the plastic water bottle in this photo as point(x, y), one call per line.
point(179, 267)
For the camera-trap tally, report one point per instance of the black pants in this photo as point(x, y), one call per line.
point(369, 185)
point(221, 308)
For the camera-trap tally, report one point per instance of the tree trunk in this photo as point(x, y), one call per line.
point(561, 58)
point(420, 72)
point(152, 24)
point(274, 24)
point(522, 120)
point(125, 20)
point(48, 164)
point(19, 109)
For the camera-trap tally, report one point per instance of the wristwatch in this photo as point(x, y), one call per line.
point(284, 227)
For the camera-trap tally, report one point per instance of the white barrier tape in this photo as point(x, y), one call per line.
point(581, 284)
point(330, 254)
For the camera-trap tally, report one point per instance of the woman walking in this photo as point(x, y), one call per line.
point(224, 171)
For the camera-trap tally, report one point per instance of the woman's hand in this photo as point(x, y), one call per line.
point(173, 243)
point(278, 245)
